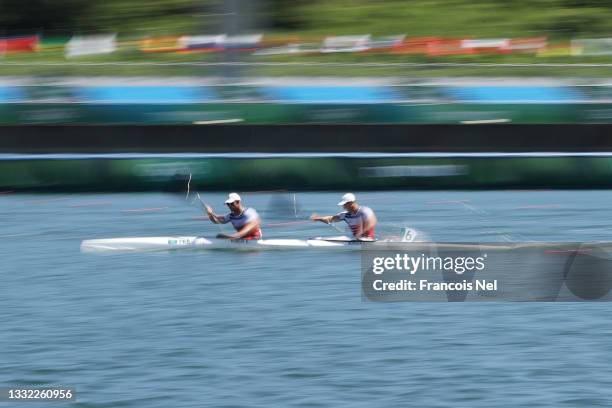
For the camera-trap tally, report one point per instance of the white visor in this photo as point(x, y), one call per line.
point(347, 198)
point(233, 197)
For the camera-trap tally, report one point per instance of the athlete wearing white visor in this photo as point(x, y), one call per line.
point(245, 221)
point(360, 219)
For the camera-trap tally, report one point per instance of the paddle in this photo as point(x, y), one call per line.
point(197, 194)
point(188, 187)
point(221, 233)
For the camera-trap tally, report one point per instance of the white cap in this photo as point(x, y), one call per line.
point(232, 198)
point(347, 198)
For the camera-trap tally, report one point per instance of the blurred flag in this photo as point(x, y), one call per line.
point(160, 44)
point(242, 42)
point(19, 44)
point(201, 43)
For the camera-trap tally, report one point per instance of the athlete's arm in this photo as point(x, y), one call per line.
point(216, 219)
point(327, 219)
point(244, 231)
point(248, 228)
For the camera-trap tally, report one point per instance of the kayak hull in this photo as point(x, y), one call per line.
point(172, 243)
point(146, 244)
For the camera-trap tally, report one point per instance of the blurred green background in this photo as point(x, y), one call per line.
point(558, 19)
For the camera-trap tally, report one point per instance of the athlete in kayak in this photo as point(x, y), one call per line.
point(361, 219)
point(244, 220)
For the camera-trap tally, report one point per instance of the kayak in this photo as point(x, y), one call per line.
point(144, 244)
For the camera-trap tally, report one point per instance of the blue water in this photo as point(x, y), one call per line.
point(287, 328)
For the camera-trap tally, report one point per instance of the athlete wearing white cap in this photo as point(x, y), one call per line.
point(361, 219)
point(244, 220)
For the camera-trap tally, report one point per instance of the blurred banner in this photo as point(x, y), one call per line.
point(91, 45)
point(268, 172)
point(192, 101)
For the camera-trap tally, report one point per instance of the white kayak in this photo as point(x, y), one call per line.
point(175, 243)
point(143, 244)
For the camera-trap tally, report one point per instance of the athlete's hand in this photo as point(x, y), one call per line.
point(209, 209)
